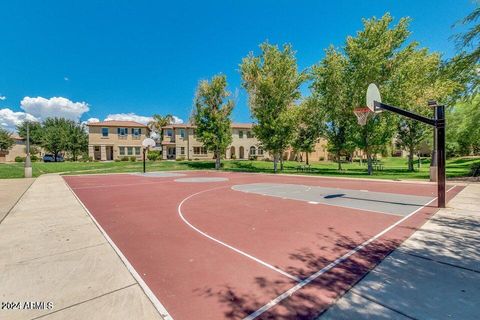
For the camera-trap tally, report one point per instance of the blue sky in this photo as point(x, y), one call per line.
point(146, 57)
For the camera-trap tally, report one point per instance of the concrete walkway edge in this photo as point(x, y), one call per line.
point(158, 305)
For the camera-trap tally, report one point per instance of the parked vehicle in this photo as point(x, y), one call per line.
point(51, 158)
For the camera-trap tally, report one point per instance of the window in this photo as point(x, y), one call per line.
point(122, 131)
point(252, 151)
point(130, 151)
point(260, 151)
point(169, 133)
point(240, 134)
point(137, 151)
point(249, 134)
point(105, 132)
point(136, 132)
point(199, 150)
point(121, 150)
point(182, 133)
point(182, 150)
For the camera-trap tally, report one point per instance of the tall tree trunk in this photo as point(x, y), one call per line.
point(369, 164)
point(281, 162)
point(410, 159)
point(275, 160)
point(339, 161)
point(217, 160)
point(306, 158)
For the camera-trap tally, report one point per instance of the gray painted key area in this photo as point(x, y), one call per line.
point(389, 203)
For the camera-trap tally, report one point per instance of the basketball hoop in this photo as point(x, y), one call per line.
point(362, 114)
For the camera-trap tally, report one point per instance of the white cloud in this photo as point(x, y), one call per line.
point(43, 108)
point(177, 120)
point(128, 117)
point(135, 117)
point(9, 118)
point(66, 78)
point(92, 120)
point(3, 98)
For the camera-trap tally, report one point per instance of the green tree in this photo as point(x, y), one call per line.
point(77, 139)
point(211, 116)
point(55, 135)
point(419, 77)
point(372, 56)
point(463, 130)
point(469, 42)
point(309, 127)
point(272, 81)
point(6, 140)
point(329, 89)
point(35, 130)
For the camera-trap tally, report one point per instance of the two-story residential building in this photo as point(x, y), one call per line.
point(110, 140)
point(179, 142)
point(17, 150)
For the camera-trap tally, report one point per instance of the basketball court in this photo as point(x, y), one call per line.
point(219, 245)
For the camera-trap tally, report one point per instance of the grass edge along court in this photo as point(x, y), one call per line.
point(388, 168)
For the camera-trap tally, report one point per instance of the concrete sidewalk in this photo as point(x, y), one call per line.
point(12, 190)
point(435, 274)
point(52, 252)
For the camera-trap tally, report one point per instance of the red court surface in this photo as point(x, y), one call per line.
point(207, 251)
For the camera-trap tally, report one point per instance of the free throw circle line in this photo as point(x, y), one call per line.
point(180, 213)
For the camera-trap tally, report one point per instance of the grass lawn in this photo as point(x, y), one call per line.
point(393, 168)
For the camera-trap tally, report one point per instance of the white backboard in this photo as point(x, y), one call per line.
point(373, 94)
point(148, 143)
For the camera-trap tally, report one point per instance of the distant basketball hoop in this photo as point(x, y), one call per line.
point(147, 144)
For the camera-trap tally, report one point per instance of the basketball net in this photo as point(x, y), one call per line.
point(362, 114)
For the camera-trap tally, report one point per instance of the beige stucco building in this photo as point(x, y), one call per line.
point(17, 150)
point(179, 142)
point(110, 140)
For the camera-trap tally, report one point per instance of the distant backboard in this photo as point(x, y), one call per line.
point(148, 143)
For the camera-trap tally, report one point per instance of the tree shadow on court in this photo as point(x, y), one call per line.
point(313, 299)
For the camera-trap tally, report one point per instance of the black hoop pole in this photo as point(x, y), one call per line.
point(439, 123)
point(144, 160)
point(441, 175)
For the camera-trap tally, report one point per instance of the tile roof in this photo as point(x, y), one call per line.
point(117, 123)
point(188, 125)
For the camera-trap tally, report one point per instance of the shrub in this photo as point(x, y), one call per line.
point(182, 158)
point(124, 158)
point(321, 158)
point(153, 155)
point(233, 157)
point(252, 158)
point(475, 170)
point(19, 159)
point(34, 157)
point(133, 159)
point(117, 160)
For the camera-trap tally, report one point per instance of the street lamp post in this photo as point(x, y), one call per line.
point(28, 163)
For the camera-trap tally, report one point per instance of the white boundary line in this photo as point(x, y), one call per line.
point(156, 303)
point(314, 276)
point(179, 209)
